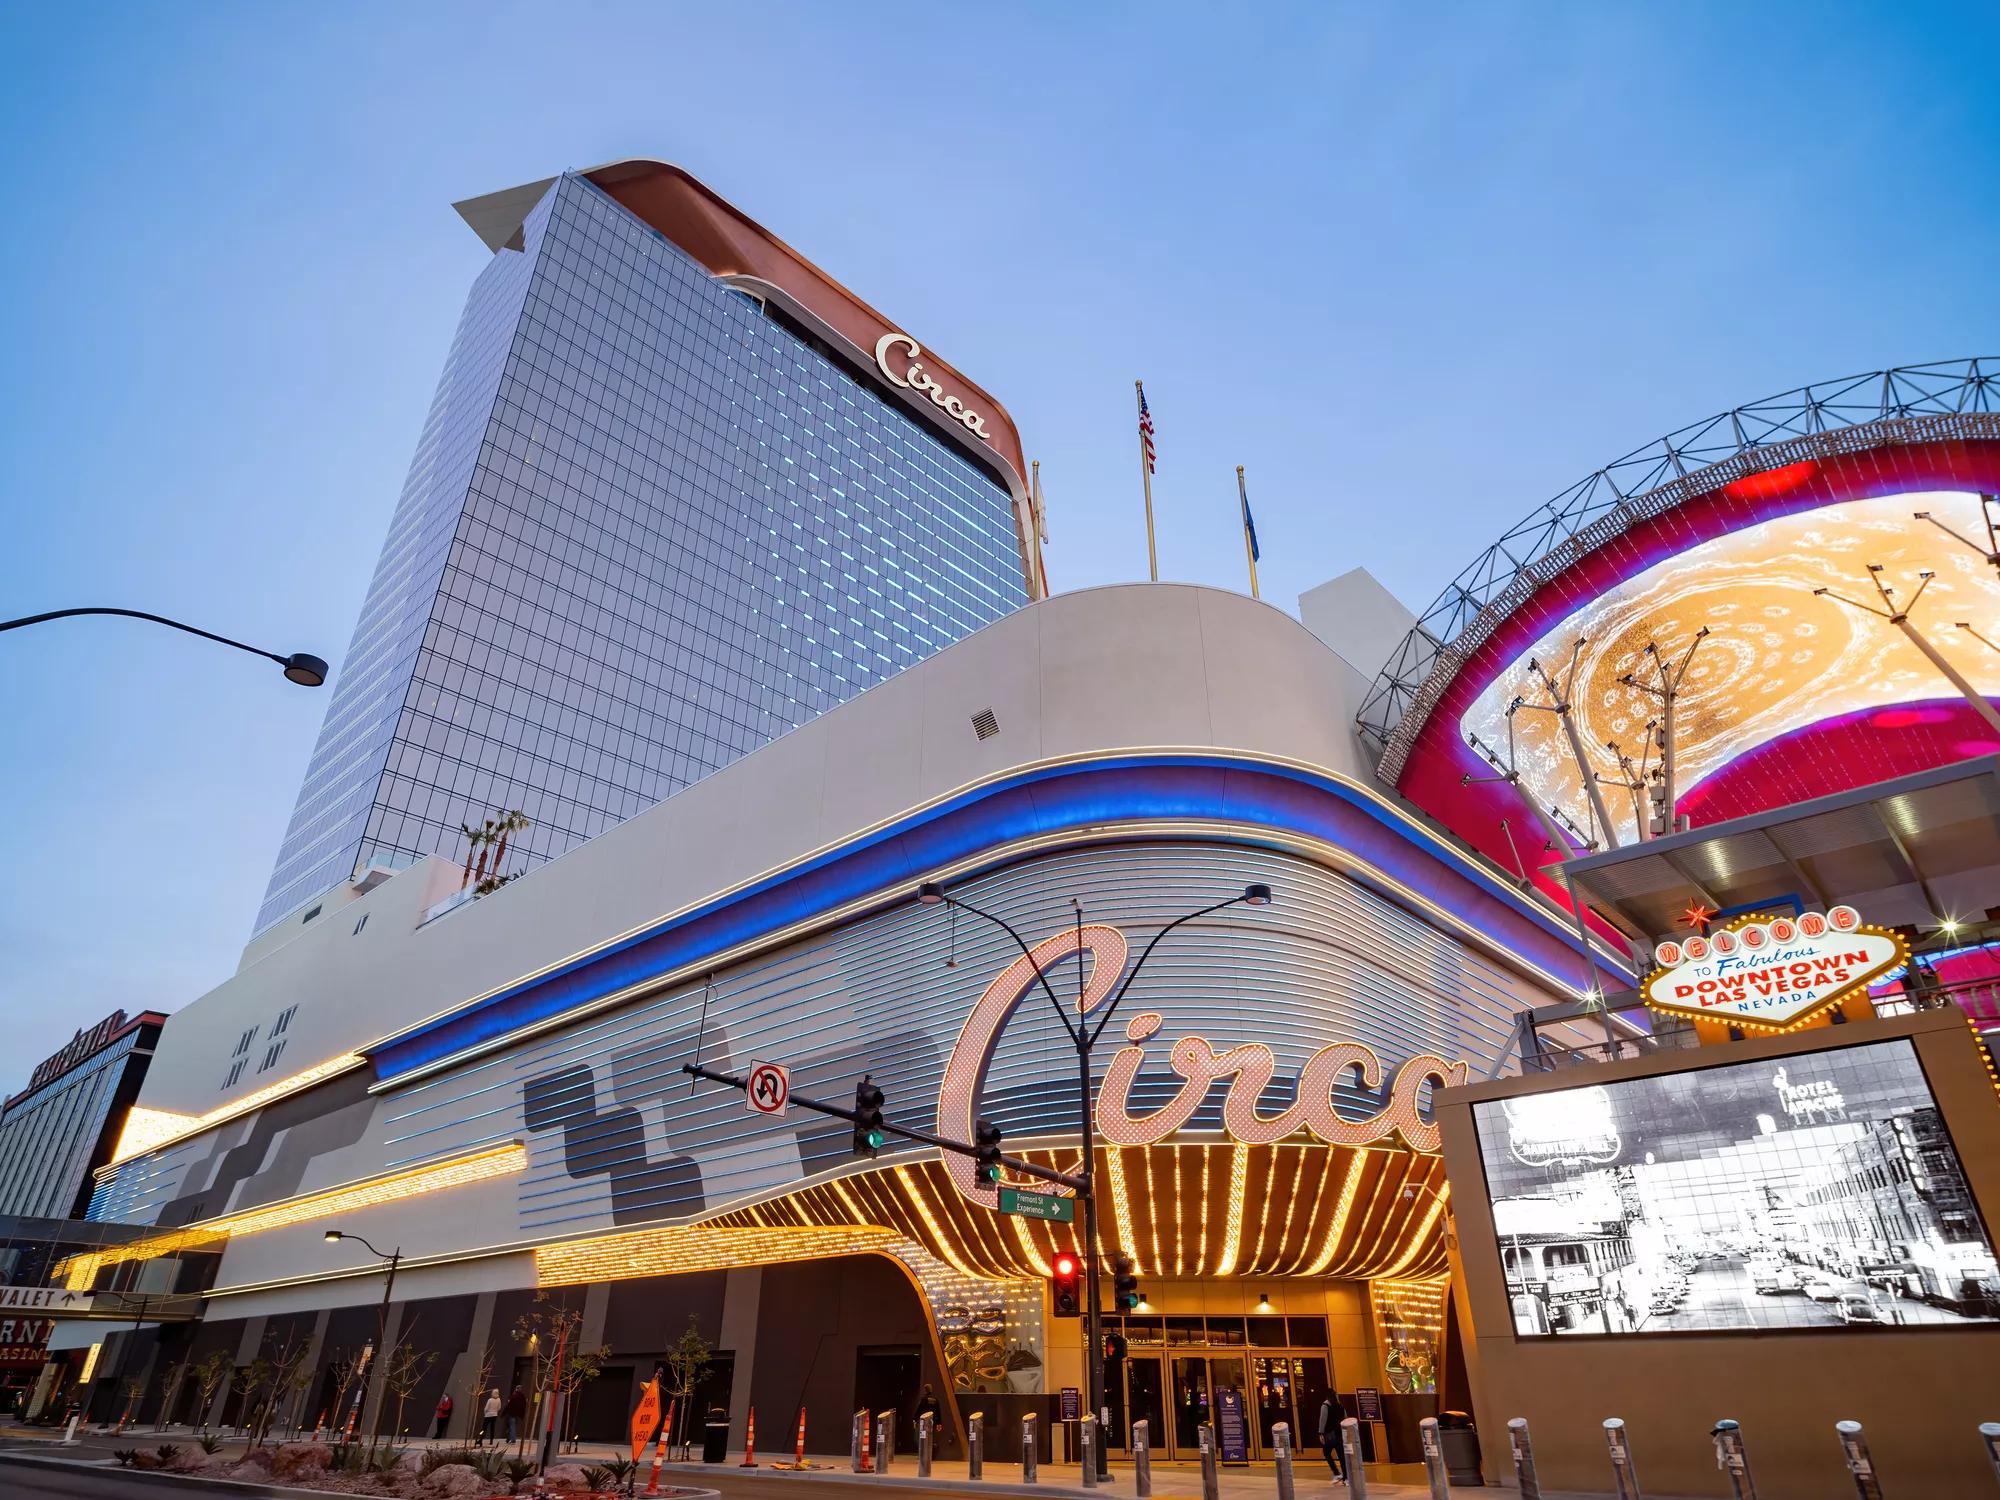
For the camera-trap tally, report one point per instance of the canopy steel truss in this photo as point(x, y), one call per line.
point(1913, 404)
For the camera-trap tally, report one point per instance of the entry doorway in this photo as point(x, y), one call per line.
point(1175, 1393)
point(888, 1378)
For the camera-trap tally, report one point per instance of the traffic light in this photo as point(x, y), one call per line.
point(1124, 1283)
point(868, 1132)
point(1066, 1285)
point(986, 1136)
point(1114, 1348)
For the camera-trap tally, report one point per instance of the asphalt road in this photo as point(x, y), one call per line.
point(1722, 1294)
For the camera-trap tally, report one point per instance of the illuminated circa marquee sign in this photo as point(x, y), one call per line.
point(1248, 1067)
point(1772, 976)
point(914, 377)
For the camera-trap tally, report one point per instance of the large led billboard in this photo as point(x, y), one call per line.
point(1778, 659)
point(1820, 1190)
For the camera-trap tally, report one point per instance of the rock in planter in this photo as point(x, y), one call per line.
point(453, 1480)
point(565, 1478)
point(290, 1458)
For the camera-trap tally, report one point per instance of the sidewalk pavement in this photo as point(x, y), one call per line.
point(1055, 1481)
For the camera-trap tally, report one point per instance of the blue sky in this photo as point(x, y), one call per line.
point(1418, 267)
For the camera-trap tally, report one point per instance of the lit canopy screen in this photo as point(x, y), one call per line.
point(1820, 1190)
point(1778, 660)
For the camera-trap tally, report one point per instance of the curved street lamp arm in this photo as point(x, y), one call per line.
point(378, 1254)
point(140, 614)
point(1133, 972)
point(1074, 1033)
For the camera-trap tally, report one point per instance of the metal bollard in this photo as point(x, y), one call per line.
point(1281, 1444)
point(1854, 1448)
point(1350, 1458)
point(1989, 1433)
point(924, 1446)
point(1427, 1431)
point(1028, 1454)
point(1732, 1460)
point(1211, 1480)
point(885, 1440)
point(860, 1445)
point(975, 1446)
point(1523, 1451)
point(1142, 1459)
point(1622, 1469)
point(1086, 1442)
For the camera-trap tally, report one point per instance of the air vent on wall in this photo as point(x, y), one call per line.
point(984, 724)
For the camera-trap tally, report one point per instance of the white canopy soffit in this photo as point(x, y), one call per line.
point(1914, 851)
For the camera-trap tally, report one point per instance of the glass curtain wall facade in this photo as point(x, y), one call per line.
point(52, 1137)
point(649, 527)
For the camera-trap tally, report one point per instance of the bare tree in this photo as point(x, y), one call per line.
point(403, 1373)
point(687, 1361)
point(208, 1374)
point(482, 1377)
point(289, 1373)
point(579, 1367)
point(546, 1327)
point(346, 1370)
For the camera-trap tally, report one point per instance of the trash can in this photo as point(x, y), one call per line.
point(715, 1437)
point(1459, 1440)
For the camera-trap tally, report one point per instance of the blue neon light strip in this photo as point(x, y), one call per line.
point(1050, 800)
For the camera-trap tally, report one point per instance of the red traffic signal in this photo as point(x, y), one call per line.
point(1066, 1285)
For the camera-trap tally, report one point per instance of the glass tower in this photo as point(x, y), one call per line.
point(650, 525)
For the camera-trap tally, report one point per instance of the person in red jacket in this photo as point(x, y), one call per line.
point(443, 1415)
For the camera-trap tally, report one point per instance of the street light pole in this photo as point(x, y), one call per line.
point(301, 667)
point(392, 1260)
point(1084, 1037)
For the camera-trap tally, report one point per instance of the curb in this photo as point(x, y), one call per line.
point(203, 1484)
point(838, 1474)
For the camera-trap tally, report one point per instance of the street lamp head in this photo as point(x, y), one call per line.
point(333, 1236)
point(1257, 895)
point(305, 669)
point(930, 893)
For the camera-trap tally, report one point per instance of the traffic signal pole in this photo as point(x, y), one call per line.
point(943, 1143)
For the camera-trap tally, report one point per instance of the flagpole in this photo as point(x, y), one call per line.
point(1039, 519)
point(1242, 517)
point(1146, 478)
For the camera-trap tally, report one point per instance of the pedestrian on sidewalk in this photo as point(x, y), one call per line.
point(927, 1406)
point(1331, 1415)
point(443, 1417)
point(489, 1417)
point(517, 1413)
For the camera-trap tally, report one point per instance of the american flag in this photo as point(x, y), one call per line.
point(1146, 433)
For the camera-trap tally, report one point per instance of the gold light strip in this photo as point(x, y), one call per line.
point(1201, 1256)
point(1121, 1207)
point(1341, 1210)
point(1154, 1215)
point(1418, 1241)
point(149, 1130)
point(1239, 1178)
point(496, 1161)
point(945, 1247)
point(677, 1249)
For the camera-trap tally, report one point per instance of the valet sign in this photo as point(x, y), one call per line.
point(1772, 976)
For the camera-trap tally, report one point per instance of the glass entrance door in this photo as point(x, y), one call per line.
point(1190, 1402)
point(1146, 1402)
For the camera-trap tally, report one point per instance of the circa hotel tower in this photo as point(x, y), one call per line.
point(679, 493)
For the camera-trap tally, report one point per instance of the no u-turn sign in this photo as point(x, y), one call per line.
point(769, 1090)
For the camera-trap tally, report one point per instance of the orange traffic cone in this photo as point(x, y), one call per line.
point(799, 1448)
point(750, 1443)
point(660, 1449)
